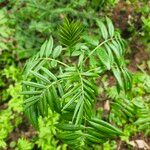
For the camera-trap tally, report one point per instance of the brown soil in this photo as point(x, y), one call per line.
point(123, 15)
point(139, 136)
point(138, 57)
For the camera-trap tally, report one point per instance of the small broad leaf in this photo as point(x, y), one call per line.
point(81, 57)
point(31, 112)
point(46, 48)
point(56, 99)
point(93, 132)
point(109, 51)
point(49, 47)
point(110, 27)
point(69, 135)
point(117, 74)
point(57, 51)
point(41, 107)
point(42, 50)
point(103, 29)
point(51, 75)
point(50, 99)
point(53, 63)
point(106, 124)
point(33, 84)
point(94, 139)
point(27, 105)
point(33, 98)
point(71, 101)
point(69, 127)
point(143, 120)
point(41, 77)
point(78, 111)
point(88, 108)
point(117, 45)
point(71, 91)
point(103, 128)
point(32, 63)
point(104, 57)
point(114, 49)
point(127, 79)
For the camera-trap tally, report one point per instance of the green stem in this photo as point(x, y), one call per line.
point(97, 48)
point(56, 61)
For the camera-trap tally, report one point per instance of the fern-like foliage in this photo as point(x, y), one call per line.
point(81, 91)
point(110, 53)
point(143, 121)
point(96, 131)
point(136, 112)
point(70, 33)
point(70, 89)
point(123, 109)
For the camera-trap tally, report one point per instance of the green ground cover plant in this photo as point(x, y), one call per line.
point(72, 92)
point(89, 79)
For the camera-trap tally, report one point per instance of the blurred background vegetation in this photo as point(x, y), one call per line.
point(24, 26)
